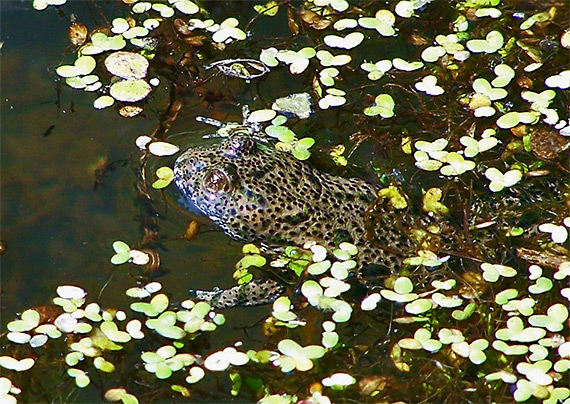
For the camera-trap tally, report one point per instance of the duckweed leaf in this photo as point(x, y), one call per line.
point(101, 42)
point(376, 70)
point(29, 320)
point(558, 394)
point(165, 326)
point(162, 149)
point(533, 19)
point(474, 147)
point(429, 86)
point(464, 314)
point(43, 4)
point(504, 296)
point(157, 305)
point(196, 374)
point(185, 6)
point(338, 5)
point(450, 336)
point(425, 163)
point(432, 53)
point(319, 253)
point(163, 10)
point(119, 25)
point(104, 101)
point(560, 80)
point(422, 339)
point(119, 394)
point(81, 378)
point(282, 133)
point(504, 73)
point(558, 234)
point(70, 292)
point(38, 340)
point(401, 64)
point(338, 379)
point(345, 23)
point(282, 309)
point(165, 176)
point(516, 331)
point(499, 181)
point(103, 365)
point(563, 271)
point(403, 288)
point(542, 285)
point(482, 86)
point(501, 375)
point(130, 90)
point(221, 360)
point(433, 149)
point(419, 306)
point(330, 339)
point(84, 65)
point(456, 165)
point(301, 356)
point(405, 9)
point(301, 148)
point(492, 43)
point(403, 285)
point(383, 106)
point(319, 268)
point(445, 285)
point(473, 351)
point(297, 61)
point(350, 41)
point(7, 362)
point(268, 57)
point(135, 32)
point(382, 26)
point(491, 272)
point(369, 303)
point(536, 372)
point(261, 115)
point(334, 287)
point(327, 59)
point(19, 337)
point(488, 12)
point(331, 100)
point(446, 301)
point(112, 332)
point(342, 311)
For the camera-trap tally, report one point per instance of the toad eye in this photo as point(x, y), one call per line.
point(216, 181)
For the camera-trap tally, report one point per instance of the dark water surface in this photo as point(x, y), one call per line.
point(57, 225)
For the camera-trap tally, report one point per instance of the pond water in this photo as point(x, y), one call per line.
point(73, 182)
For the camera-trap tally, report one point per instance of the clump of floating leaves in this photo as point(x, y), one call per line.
point(475, 106)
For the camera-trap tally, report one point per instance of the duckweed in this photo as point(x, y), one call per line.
point(514, 334)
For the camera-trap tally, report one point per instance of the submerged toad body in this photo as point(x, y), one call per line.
point(257, 194)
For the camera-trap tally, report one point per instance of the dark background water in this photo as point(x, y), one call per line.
point(57, 225)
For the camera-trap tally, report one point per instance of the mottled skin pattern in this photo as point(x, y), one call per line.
point(257, 194)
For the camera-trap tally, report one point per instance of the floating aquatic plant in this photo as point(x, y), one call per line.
point(294, 356)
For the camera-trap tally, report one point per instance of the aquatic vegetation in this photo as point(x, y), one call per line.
point(472, 131)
